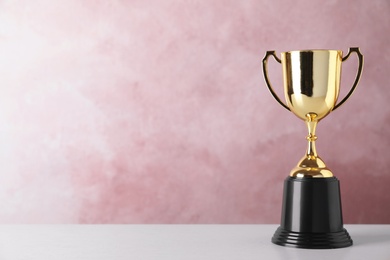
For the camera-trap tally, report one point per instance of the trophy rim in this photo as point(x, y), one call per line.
point(312, 50)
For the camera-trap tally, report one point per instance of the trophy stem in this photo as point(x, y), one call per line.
point(311, 123)
point(311, 165)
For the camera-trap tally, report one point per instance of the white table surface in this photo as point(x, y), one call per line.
point(139, 242)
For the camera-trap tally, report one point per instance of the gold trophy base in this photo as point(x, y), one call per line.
point(311, 167)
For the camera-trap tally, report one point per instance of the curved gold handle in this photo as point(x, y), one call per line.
point(265, 72)
point(358, 75)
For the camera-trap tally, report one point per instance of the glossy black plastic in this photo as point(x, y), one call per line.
point(312, 215)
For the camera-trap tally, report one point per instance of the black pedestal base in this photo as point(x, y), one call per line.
point(339, 239)
point(311, 215)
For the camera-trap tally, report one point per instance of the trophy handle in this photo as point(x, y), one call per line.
point(358, 75)
point(265, 72)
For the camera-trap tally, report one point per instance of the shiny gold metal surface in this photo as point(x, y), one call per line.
point(311, 81)
point(311, 87)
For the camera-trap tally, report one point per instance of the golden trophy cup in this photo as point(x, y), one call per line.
point(311, 210)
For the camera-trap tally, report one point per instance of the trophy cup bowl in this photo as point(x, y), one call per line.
point(311, 210)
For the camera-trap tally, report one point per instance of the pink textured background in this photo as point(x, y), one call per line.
point(157, 111)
